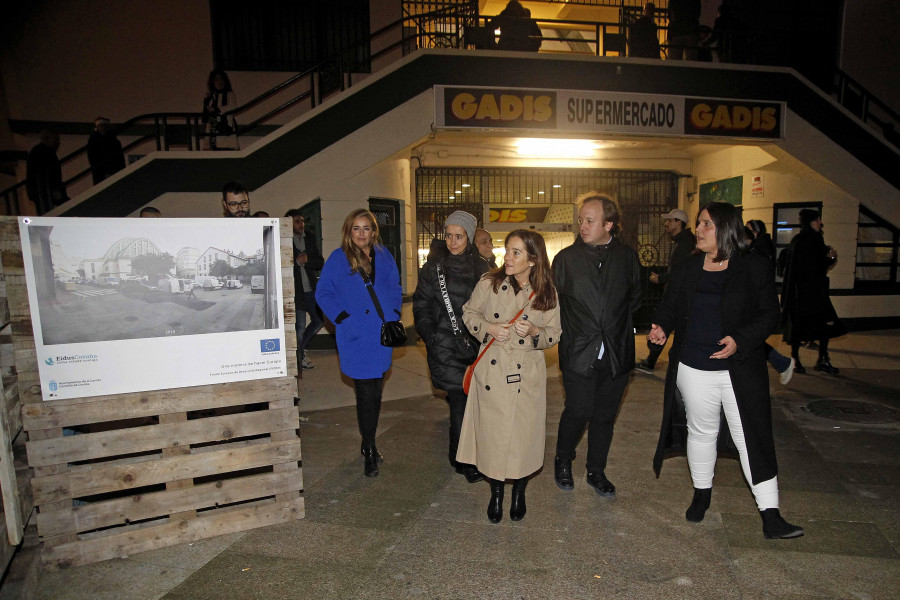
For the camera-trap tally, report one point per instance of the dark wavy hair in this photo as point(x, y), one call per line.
point(756, 226)
point(211, 81)
point(729, 229)
point(540, 278)
point(807, 216)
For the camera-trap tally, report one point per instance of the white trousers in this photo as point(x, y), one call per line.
point(704, 393)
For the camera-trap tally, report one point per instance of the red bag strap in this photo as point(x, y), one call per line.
point(518, 314)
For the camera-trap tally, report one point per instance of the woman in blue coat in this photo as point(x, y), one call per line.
point(343, 297)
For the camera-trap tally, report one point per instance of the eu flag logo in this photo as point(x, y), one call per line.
point(273, 345)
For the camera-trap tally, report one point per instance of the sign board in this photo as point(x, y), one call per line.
point(128, 305)
point(725, 190)
point(594, 112)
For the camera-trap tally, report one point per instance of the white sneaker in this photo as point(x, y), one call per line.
point(787, 374)
point(308, 364)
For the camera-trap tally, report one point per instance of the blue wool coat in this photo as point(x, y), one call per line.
point(343, 297)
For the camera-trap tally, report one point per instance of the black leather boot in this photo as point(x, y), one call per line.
point(378, 456)
point(776, 528)
point(697, 510)
point(824, 365)
point(371, 457)
point(798, 366)
point(517, 502)
point(495, 506)
point(562, 474)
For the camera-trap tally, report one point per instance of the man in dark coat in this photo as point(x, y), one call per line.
point(598, 281)
point(44, 182)
point(683, 244)
point(684, 29)
point(643, 40)
point(307, 262)
point(104, 151)
point(808, 312)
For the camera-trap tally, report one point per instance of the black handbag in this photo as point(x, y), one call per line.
point(393, 333)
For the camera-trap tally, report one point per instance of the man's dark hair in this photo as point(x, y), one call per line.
point(234, 187)
point(260, 214)
point(149, 210)
point(294, 212)
point(807, 216)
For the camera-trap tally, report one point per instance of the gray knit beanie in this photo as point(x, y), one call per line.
point(465, 220)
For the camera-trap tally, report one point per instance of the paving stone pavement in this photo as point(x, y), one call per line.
point(420, 531)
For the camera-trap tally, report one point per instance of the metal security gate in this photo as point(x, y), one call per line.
point(644, 197)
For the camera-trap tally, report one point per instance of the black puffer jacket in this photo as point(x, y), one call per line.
point(447, 357)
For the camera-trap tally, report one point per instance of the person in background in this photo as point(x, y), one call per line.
point(485, 247)
point(342, 294)
point(808, 312)
point(260, 214)
point(43, 175)
point(683, 244)
point(150, 212)
point(219, 99)
point(760, 243)
point(643, 39)
point(504, 428)
point(518, 31)
point(599, 283)
point(104, 151)
point(721, 305)
point(307, 262)
point(684, 29)
point(449, 276)
point(235, 200)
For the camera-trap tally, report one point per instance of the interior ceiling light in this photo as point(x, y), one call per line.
point(467, 185)
point(556, 185)
point(458, 192)
point(548, 148)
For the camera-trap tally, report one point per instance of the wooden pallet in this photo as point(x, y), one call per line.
point(119, 474)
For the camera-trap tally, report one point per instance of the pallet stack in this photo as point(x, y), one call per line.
point(114, 475)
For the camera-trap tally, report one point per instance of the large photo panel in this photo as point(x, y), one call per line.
point(128, 305)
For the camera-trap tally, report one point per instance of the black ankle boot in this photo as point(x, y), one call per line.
point(495, 506)
point(378, 456)
point(824, 365)
point(697, 510)
point(517, 502)
point(371, 457)
point(775, 527)
point(798, 367)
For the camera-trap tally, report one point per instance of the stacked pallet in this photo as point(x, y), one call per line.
point(15, 487)
point(119, 474)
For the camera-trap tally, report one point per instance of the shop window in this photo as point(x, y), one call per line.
point(876, 253)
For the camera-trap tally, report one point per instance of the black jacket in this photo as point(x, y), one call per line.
point(599, 289)
point(448, 357)
point(683, 246)
point(749, 313)
point(804, 297)
point(314, 263)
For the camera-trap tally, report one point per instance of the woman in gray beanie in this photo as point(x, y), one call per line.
point(445, 283)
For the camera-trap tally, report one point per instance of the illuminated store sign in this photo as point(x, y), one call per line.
point(586, 112)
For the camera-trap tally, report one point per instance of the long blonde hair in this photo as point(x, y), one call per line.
point(356, 257)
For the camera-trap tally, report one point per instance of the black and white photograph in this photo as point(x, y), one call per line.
point(102, 280)
point(126, 305)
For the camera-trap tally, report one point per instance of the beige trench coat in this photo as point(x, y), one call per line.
point(504, 428)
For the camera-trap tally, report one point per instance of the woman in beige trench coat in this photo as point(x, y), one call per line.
point(503, 431)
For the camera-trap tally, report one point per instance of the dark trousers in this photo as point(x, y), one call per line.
point(305, 334)
point(368, 407)
point(595, 398)
point(457, 402)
